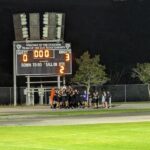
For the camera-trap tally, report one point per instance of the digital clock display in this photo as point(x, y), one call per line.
point(37, 54)
point(42, 58)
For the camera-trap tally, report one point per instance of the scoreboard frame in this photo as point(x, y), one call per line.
point(42, 58)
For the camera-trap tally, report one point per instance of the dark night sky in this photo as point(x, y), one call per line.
point(118, 30)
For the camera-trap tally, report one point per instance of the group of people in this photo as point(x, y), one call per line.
point(68, 97)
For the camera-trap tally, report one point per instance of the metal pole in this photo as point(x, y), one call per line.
point(14, 73)
point(41, 94)
point(58, 82)
point(28, 90)
point(125, 93)
point(64, 80)
point(10, 95)
point(45, 97)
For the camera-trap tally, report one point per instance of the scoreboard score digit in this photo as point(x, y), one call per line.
point(42, 58)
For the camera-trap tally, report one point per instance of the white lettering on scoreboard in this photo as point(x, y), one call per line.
point(26, 65)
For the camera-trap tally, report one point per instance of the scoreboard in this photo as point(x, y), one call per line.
point(42, 58)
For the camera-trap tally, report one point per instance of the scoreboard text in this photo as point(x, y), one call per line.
point(42, 58)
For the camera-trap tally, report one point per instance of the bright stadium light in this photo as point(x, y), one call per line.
point(25, 32)
point(45, 18)
point(45, 31)
point(45, 23)
point(23, 18)
point(58, 32)
point(59, 19)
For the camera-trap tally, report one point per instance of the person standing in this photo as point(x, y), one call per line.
point(95, 99)
point(103, 99)
point(52, 93)
point(109, 99)
point(85, 98)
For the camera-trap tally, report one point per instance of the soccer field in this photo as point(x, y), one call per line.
point(121, 136)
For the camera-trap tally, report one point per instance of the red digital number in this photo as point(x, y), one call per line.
point(25, 57)
point(61, 70)
point(46, 53)
point(67, 57)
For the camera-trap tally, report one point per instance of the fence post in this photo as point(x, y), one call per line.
point(10, 95)
point(125, 93)
point(45, 95)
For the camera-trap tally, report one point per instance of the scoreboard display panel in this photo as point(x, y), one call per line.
point(42, 58)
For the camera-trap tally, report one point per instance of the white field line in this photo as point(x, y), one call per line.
point(30, 147)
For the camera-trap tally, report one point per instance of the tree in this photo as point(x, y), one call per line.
point(142, 71)
point(90, 71)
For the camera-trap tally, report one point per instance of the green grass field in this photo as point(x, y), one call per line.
point(126, 136)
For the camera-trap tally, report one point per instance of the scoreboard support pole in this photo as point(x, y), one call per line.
point(15, 78)
point(64, 80)
point(58, 82)
point(15, 90)
point(28, 102)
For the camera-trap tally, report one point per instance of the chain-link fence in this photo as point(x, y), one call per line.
point(128, 93)
point(120, 93)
